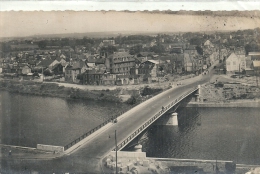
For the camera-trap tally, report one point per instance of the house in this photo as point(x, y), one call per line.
point(58, 69)
point(208, 44)
point(108, 79)
point(178, 62)
point(235, 63)
point(153, 43)
point(191, 50)
point(93, 76)
point(122, 79)
point(26, 70)
point(177, 50)
point(147, 71)
point(47, 63)
point(72, 71)
point(188, 63)
point(61, 60)
point(106, 43)
point(254, 55)
point(249, 66)
point(256, 66)
point(121, 63)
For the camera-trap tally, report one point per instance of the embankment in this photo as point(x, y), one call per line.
point(128, 96)
point(238, 103)
point(227, 94)
point(54, 90)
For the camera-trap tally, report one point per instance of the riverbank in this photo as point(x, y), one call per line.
point(222, 91)
point(54, 90)
point(236, 103)
point(117, 95)
point(202, 166)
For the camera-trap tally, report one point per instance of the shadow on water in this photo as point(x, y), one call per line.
point(162, 137)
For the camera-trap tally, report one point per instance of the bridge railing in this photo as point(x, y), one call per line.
point(110, 119)
point(151, 120)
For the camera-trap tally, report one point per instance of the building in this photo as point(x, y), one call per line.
point(254, 55)
point(208, 44)
point(47, 63)
point(249, 66)
point(121, 63)
point(146, 71)
point(72, 71)
point(256, 65)
point(26, 70)
point(58, 69)
point(108, 79)
point(93, 77)
point(235, 63)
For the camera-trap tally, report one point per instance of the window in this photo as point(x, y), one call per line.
point(234, 63)
point(228, 63)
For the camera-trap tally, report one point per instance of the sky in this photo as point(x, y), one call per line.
point(20, 24)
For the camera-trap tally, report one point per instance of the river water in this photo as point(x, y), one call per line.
point(31, 120)
point(208, 133)
point(203, 133)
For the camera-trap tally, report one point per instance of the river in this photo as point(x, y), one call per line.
point(31, 120)
point(203, 133)
point(208, 133)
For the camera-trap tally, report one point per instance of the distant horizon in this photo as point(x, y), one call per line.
point(113, 33)
point(33, 24)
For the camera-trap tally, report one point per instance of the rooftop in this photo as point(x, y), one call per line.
point(254, 53)
point(256, 64)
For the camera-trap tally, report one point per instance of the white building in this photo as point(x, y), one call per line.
point(235, 63)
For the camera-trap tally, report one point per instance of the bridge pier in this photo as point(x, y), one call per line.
point(138, 148)
point(197, 95)
point(171, 120)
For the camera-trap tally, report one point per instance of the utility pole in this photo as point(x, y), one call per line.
point(239, 70)
point(256, 78)
point(116, 150)
point(42, 75)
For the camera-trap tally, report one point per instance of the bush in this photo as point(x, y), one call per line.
point(132, 100)
point(230, 167)
point(150, 91)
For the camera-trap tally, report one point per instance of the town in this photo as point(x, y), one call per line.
point(129, 59)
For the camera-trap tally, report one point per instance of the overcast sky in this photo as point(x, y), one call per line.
point(31, 23)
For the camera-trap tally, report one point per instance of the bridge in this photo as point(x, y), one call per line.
point(174, 104)
point(86, 157)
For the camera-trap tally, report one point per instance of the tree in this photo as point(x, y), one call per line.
point(109, 49)
point(251, 47)
point(199, 50)
point(42, 44)
point(47, 72)
point(157, 49)
point(196, 41)
point(135, 49)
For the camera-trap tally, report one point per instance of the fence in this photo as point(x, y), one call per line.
point(150, 121)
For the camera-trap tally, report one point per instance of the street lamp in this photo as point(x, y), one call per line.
point(116, 150)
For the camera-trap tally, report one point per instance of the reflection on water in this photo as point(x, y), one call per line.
point(208, 133)
point(30, 120)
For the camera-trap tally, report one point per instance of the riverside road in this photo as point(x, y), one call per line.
point(87, 158)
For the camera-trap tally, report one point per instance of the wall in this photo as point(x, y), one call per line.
point(50, 148)
point(124, 154)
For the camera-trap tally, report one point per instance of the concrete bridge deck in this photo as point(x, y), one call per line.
point(87, 157)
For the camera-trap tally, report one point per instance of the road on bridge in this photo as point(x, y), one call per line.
point(86, 159)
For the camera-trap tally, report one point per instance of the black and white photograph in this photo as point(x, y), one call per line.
point(130, 92)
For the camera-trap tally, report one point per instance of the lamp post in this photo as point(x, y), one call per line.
point(116, 150)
